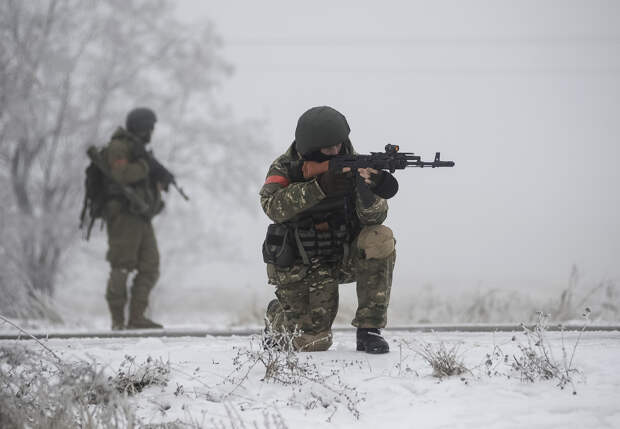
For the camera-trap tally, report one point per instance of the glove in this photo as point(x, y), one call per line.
point(366, 195)
point(336, 184)
point(383, 184)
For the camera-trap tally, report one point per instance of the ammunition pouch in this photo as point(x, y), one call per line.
point(327, 242)
point(278, 247)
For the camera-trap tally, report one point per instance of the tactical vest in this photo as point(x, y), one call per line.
point(146, 188)
point(324, 231)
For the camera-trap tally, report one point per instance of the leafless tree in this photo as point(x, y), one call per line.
point(69, 71)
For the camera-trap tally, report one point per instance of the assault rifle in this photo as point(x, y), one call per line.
point(161, 174)
point(127, 191)
point(391, 160)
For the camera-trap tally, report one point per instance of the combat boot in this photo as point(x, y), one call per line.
point(143, 323)
point(137, 319)
point(369, 340)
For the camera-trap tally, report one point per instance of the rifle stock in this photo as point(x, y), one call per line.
point(313, 168)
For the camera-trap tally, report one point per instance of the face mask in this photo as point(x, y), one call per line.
point(319, 156)
point(145, 134)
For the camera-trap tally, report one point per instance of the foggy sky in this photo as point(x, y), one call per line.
point(524, 96)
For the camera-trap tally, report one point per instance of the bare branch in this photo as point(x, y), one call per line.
point(31, 336)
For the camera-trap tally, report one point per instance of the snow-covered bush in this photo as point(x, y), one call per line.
point(535, 359)
point(445, 360)
point(132, 378)
point(312, 386)
point(39, 391)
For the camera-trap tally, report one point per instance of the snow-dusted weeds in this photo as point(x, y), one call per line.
point(207, 386)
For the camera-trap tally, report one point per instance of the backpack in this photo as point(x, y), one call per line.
point(94, 197)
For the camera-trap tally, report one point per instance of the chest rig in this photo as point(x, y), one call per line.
point(324, 232)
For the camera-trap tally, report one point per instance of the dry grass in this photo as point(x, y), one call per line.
point(38, 391)
point(535, 359)
point(445, 360)
point(41, 390)
point(132, 378)
point(282, 364)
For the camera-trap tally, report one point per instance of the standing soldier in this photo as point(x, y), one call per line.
point(328, 231)
point(131, 238)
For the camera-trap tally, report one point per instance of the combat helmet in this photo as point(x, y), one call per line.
point(320, 127)
point(140, 119)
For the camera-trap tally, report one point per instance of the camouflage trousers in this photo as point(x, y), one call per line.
point(131, 246)
point(308, 295)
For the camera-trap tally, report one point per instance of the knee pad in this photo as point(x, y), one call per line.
point(377, 241)
point(116, 290)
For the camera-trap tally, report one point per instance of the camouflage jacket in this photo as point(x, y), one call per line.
point(125, 155)
point(286, 195)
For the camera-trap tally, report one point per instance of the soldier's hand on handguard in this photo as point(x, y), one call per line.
point(367, 174)
point(380, 182)
point(336, 184)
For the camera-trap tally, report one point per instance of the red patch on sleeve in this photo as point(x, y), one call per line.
point(119, 163)
point(281, 180)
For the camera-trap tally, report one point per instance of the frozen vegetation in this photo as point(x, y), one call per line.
point(532, 379)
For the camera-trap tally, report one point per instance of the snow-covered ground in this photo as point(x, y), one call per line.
point(208, 385)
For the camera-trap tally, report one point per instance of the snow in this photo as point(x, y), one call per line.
point(399, 389)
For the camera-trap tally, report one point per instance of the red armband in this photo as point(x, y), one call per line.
point(281, 180)
point(119, 163)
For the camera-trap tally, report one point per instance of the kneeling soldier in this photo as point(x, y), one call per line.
point(328, 231)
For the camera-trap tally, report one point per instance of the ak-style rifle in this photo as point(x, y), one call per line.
point(390, 160)
point(161, 174)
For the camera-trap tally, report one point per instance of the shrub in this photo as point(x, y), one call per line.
point(39, 391)
point(445, 360)
point(132, 378)
point(312, 389)
point(535, 360)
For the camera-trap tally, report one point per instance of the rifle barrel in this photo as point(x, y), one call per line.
point(180, 190)
point(433, 164)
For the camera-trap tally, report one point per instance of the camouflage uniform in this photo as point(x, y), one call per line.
point(131, 238)
point(308, 293)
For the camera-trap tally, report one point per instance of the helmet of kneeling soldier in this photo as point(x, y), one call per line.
point(320, 127)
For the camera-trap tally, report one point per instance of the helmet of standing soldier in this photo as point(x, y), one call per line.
point(320, 127)
point(140, 119)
